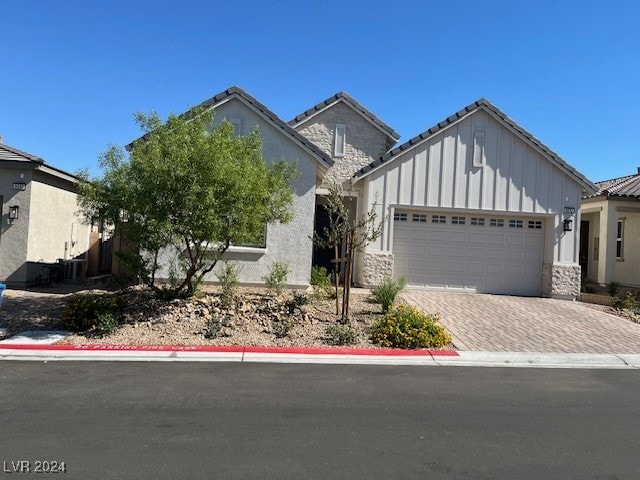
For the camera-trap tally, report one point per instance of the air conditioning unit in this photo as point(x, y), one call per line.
point(74, 270)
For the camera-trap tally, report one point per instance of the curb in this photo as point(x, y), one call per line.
point(222, 354)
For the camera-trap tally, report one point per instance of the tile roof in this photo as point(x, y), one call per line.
point(487, 105)
point(272, 117)
point(12, 154)
point(628, 186)
point(343, 96)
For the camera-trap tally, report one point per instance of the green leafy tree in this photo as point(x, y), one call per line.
point(186, 192)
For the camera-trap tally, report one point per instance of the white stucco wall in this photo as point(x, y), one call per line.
point(289, 243)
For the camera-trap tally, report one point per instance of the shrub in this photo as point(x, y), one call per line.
point(213, 327)
point(612, 288)
point(228, 278)
point(320, 282)
point(106, 323)
point(282, 327)
point(385, 294)
point(628, 302)
point(406, 327)
point(277, 278)
point(340, 334)
point(299, 299)
point(81, 312)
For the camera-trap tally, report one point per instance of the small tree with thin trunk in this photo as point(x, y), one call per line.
point(353, 234)
point(185, 193)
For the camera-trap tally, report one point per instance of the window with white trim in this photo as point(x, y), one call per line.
point(496, 222)
point(400, 217)
point(341, 133)
point(418, 217)
point(619, 239)
point(438, 219)
point(477, 221)
point(515, 224)
point(537, 224)
point(458, 220)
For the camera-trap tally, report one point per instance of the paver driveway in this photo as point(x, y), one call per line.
point(524, 324)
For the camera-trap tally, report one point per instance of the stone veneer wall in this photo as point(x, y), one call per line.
point(561, 280)
point(364, 142)
point(375, 267)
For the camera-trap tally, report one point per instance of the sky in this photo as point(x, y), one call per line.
point(73, 73)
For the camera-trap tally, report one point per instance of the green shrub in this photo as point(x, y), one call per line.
point(282, 327)
point(628, 302)
point(612, 288)
point(340, 334)
point(81, 311)
point(213, 327)
point(106, 323)
point(385, 294)
point(228, 278)
point(407, 327)
point(277, 278)
point(320, 282)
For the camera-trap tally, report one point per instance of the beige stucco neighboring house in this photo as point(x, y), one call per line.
point(40, 224)
point(610, 232)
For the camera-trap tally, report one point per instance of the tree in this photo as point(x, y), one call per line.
point(352, 234)
point(185, 193)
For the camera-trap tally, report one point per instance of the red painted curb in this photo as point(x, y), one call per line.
point(232, 348)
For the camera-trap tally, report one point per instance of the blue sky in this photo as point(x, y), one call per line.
point(74, 72)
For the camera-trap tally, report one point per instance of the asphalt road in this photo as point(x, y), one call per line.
point(274, 421)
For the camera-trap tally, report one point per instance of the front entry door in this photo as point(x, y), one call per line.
point(584, 248)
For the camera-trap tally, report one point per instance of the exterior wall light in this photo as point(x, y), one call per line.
point(14, 212)
point(567, 225)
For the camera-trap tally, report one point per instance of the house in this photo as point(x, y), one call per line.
point(610, 232)
point(473, 204)
point(40, 222)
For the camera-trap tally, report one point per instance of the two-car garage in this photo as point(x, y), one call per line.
point(469, 252)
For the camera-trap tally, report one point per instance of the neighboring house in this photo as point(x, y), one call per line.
point(610, 232)
point(40, 222)
point(474, 204)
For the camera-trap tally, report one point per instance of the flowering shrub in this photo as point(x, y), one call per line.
point(407, 327)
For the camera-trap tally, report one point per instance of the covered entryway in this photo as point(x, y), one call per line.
point(469, 252)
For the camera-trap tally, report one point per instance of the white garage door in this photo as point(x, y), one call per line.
point(489, 254)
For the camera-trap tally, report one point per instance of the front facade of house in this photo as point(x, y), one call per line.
point(610, 232)
point(40, 220)
point(474, 204)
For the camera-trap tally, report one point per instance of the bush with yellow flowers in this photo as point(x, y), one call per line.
point(407, 327)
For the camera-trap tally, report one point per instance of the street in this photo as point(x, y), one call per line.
point(169, 420)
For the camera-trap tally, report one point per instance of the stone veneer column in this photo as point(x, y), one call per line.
point(375, 267)
point(561, 280)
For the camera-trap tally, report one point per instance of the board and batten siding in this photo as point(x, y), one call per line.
point(515, 179)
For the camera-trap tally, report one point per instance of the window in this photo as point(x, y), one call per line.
point(619, 237)
point(458, 220)
point(496, 222)
point(478, 149)
point(419, 218)
point(438, 219)
point(237, 125)
point(535, 224)
point(341, 130)
point(400, 217)
point(260, 241)
point(477, 221)
point(515, 223)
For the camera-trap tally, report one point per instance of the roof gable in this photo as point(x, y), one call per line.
point(11, 154)
point(268, 115)
point(502, 118)
point(343, 97)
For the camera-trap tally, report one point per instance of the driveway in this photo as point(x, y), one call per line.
point(525, 324)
